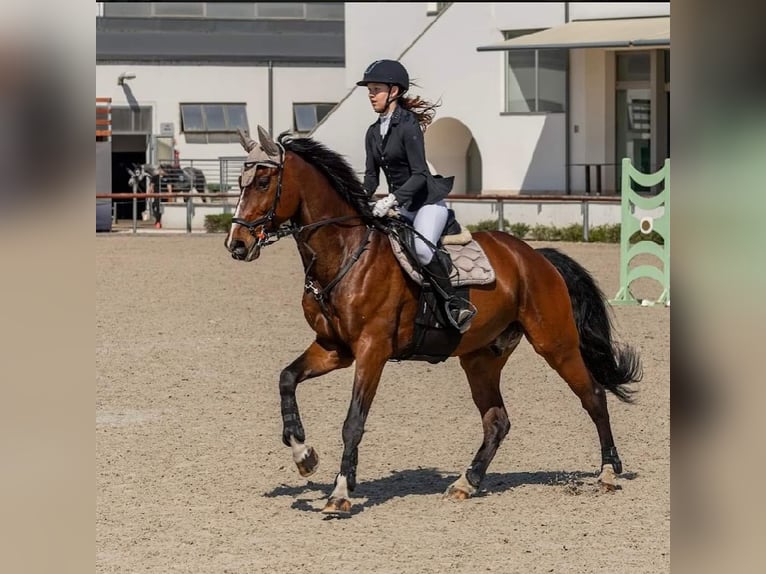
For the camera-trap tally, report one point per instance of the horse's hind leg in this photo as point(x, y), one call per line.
point(562, 352)
point(317, 360)
point(483, 368)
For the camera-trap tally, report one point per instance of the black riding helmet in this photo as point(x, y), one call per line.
point(386, 72)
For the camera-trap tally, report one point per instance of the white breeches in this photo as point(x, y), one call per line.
point(429, 221)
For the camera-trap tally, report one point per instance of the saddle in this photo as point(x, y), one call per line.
point(434, 338)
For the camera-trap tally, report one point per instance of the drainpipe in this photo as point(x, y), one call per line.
point(271, 98)
point(567, 115)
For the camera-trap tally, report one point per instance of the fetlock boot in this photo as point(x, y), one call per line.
point(458, 310)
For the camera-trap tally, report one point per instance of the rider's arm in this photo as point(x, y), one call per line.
point(415, 148)
point(372, 167)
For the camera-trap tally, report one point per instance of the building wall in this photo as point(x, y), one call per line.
point(519, 152)
point(165, 87)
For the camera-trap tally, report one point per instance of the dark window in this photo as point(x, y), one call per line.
point(213, 123)
point(535, 80)
point(131, 119)
point(307, 115)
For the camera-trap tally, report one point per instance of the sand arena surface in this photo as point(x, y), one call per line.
point(192, 475)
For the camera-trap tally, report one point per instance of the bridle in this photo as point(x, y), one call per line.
point(263, 236)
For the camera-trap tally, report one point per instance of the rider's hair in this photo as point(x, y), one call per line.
point(423, 109)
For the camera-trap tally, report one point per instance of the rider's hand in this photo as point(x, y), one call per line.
point(383, 205)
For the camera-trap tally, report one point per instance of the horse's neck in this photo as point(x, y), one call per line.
point(325, 248)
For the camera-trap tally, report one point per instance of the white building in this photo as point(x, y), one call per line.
point(532, 93)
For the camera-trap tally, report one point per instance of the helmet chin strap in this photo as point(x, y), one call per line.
point(389, 99)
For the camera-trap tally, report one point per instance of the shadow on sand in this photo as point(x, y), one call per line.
point(431, 481)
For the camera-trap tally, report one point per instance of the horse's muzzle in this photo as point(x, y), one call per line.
point(240, 252)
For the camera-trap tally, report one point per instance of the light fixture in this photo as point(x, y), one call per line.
point(125, 76)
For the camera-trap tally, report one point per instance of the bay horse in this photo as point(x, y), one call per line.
point(362, 307)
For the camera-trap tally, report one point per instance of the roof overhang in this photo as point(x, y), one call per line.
point(619, 33)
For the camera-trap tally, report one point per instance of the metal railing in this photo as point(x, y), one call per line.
point(497, 202)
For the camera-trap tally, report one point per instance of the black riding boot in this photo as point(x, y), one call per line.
point(459, 311)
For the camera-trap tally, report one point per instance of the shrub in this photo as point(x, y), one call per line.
point(609, 233)
point(486, 225)
point(520, 230)
point(218, 223)
point(571, 232)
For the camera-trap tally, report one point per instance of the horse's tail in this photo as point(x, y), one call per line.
point(610, 364)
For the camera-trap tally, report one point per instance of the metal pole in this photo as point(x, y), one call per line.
point(271, 98)
point(500, 215)
point(585, 221)
point(135, 213)
point(189, 212)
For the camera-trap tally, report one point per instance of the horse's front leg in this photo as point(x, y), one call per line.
point(369, 367)
point(318, 359)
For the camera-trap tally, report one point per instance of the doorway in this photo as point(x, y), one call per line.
point(127, 152)
point(642, 112)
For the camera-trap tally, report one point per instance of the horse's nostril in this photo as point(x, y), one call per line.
point(238, 249)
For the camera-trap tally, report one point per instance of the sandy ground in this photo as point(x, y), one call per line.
point(193, 477)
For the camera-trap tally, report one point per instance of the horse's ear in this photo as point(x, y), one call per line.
point(245, 140)
point(267, 143)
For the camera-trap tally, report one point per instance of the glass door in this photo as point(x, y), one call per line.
point(634, 129)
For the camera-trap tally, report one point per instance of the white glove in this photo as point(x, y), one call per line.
point(383, 205)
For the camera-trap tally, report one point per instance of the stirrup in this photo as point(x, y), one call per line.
point(464, 316)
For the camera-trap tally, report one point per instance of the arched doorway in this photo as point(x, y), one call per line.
point(452, 150)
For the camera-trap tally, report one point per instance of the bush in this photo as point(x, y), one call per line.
point(519, 230)
point(571, 232)
point(609, 233)
point(605, 233)
point(218, 223)
point(486, 225)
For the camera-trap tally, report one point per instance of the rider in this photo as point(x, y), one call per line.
point(395, 143)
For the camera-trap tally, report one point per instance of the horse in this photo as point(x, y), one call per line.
point(362, 307)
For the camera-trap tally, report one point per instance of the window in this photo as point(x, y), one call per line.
point(280, 10)
point(535, 80)
point(131, 120)
point(231, 10)
point(226, 10)
point(179, 9)
point(213, 123)
point(307, 116)
point(325, 10)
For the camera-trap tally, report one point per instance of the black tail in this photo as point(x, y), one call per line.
point(612, 365)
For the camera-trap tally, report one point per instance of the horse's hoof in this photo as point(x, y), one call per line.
point(456, 493)
point(461, 489)
point(337, 507)
point(309, 464)
point(607, 479)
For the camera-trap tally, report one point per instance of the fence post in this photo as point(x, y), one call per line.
point(500, 215)
point(630, 225)
point(189, 213)
point(135, 213)
point(585, 220)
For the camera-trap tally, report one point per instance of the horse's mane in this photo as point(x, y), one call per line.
point(333, 166)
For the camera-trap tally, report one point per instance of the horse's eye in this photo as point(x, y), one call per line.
point(262, 182)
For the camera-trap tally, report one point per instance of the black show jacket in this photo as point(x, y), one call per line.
point(402, 156)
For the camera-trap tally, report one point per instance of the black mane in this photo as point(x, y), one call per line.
point(334, 167)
